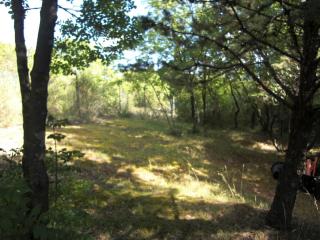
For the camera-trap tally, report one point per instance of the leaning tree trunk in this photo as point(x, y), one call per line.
point(34, 98)
point(22, 65)
point(301, 124)
point(280, 214)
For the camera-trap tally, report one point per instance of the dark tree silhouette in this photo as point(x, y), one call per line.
point(34, 93)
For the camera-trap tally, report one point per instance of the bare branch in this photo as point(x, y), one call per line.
point(292, 32)
point(255, 11)
point(34, 8)
point(70, 11)
point(215, 67)
point(292, 5)
point(274, 74)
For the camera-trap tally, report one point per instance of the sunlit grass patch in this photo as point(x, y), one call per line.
point(146, 145)
point(186, 186)
point(136, 181)
point(97, 156)
point(264, 147)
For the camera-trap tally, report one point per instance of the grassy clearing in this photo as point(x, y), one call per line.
point(138, 182)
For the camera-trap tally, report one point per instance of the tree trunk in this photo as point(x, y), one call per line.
point(34, 98)
point(78, 101)
point(236, 104)
point(163, 109)
point(204, 104)
point(171, 101)
point(22, 65)
point(265, 118)
point(215, 109)
point(253, 118)
point(119, 100)
point(193, 111)
point(144, 101)
point(301, 125)
point(281, 210)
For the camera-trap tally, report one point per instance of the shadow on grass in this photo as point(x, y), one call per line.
point(137, 182)
point(124, 207)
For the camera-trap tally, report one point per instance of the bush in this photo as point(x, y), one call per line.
point(14, 221)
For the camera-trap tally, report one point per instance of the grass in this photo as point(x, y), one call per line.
point(138, 182)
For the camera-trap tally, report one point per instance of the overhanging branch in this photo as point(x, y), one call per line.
point(241, 63)
point(260, 40)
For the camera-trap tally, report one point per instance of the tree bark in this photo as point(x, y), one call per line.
point(144, 100)
point(34, 98)
point(265, 118)
point(204, 103)
point(171, 101)
point(193, 111)
point(22, 65)
point(280, 214)
point(301, 125)
point(236, 104)
point(253, 118)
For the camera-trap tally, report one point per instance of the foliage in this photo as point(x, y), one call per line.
point(70, 55)
point(105, 23)
point(16, 218)
point(13, 204)
point(96, 89)
point(10, 106)
point(54, 155)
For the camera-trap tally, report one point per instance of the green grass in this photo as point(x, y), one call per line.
point(138, 182)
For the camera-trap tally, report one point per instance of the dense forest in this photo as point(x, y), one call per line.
point(210, 131)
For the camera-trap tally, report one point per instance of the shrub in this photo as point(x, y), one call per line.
point(14, 222)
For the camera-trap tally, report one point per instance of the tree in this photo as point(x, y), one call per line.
point(34, 97)
point(276, 43)
point(261, 46)
point(104, 22)
point(97, 19)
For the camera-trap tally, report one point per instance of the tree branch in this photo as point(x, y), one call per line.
point(242, 64)
point(273, 73)
point(68, 10)
point(262, 41)
point(292, 32)
point(21, 50)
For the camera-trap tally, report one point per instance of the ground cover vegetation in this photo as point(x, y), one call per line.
point(176, 145)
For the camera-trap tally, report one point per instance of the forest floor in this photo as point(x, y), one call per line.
point(136, 181)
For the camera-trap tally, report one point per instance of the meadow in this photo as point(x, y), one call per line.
point(136, 181)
